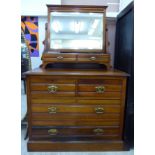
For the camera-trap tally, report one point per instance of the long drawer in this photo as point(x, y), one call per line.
point(76, 122)
point(98, 131)
point(73, 116)
point(76, 101)
point(93, 109)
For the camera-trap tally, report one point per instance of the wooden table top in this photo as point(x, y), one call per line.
point(76, 72)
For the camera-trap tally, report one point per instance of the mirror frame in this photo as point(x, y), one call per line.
point(80, 9)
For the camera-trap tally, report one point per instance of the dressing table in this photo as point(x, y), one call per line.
point(75, 99)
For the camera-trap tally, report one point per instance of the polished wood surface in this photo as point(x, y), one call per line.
point(76, 146)
point(75, 99)
point(113, 74)
point(76, 108)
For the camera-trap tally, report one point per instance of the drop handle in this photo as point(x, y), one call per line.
point(52, 110)
point(98, 131)
point(92, 58)
point(52, 132)
point(99, 110)
point(60, 57)
point(100, 89)
point(52, 89)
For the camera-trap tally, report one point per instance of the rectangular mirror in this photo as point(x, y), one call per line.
point(77, 30)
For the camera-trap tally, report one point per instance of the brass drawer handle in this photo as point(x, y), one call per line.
point(52, 131)
point(99, 110)
point(52, 110)
point(98, 131)
point(100, 89)
point(60, 57)
point(92, 58)
point(52, 89)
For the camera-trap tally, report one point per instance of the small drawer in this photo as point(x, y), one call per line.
point(93, 58)
point(104, 81)
point(57, 101)
point(50, 95)
point(62, 58)
point(53, 87)
point(98, 88)
point(98, 102)
point(107, 88)
point(51, 79)
point(47, 87)
point(101, 95)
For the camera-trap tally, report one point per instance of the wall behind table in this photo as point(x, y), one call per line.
point(36, 61)
point(37, 8)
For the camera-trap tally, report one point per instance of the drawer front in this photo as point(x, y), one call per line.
point(46, 94)
point(50, 79)
point(52, 87)
point(95, 87)
point(47, 87)
point(79, 109)
point(57, 116)
point(93, 58)
point(71, 122)
point(100, 81)
point(53, 101)
point(99, 102)
point(62, 58)
point(76, 101)
point(103, 88)
point(100, 131)
point(105, 95)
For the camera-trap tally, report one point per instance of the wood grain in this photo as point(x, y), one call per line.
point(75, 146)
point(75, 108)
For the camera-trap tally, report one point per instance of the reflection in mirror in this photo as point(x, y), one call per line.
point(73, 30)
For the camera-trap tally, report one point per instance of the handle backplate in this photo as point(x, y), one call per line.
point(52, 131)
point(52, 89)
point(52, 110)
point(100, 89)
point(60, 57)
point(92, 58)
point(98, 131)
point(99, 110)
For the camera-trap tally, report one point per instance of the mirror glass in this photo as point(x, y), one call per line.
point(74, 30)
